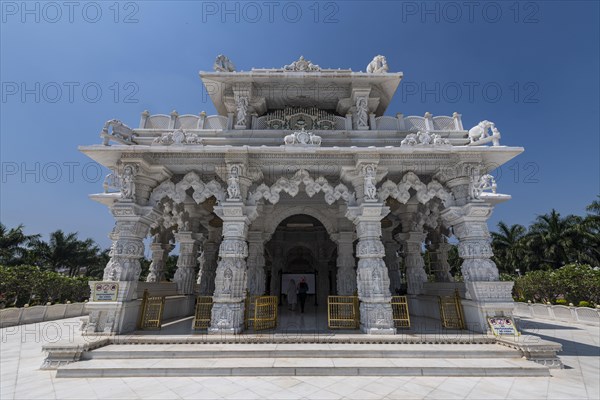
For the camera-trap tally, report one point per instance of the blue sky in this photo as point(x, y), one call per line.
point(531, 67)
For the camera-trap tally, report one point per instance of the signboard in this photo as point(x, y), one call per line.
point(503, 326)
point(105, 291)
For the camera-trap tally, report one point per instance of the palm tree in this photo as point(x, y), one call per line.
point(66, 253)
point(553, 241)
point(508, 245)
point(13, 245)
point(589, 230)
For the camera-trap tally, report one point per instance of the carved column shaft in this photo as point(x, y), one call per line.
point(160, 252)
point(186, 262)
point(206, 277)
point(346, 275)
point(256, 264)
point(391, 261)
point(469, 224)
point(438, 249)
point(372, 278)
point(413, 260)
point(231, 280)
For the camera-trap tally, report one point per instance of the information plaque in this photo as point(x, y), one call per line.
point(105, 291)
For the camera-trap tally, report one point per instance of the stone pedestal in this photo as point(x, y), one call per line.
point(346, 276)
point(372, 278)
point(230, 282)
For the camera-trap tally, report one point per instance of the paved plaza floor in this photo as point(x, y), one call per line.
point(21, 357)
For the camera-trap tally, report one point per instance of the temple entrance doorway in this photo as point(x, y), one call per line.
point(301, 249)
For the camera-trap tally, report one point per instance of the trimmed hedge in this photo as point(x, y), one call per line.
point(26, 284)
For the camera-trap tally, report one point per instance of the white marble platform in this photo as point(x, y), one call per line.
point(20, 377)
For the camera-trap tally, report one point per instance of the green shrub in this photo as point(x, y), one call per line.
point(584, 303)
point(562, 302)
point(26, 284)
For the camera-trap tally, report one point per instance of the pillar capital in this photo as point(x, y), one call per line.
point(469, 224)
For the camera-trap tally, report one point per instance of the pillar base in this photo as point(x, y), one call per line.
point(486, 299)
point(376, 318)
point(227, 318)
point(112, 318)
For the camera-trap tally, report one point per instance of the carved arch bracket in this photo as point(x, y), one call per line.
point(177, 192)
point(424, 192)
point(291, 186)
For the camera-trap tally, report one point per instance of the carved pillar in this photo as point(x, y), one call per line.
point(256, 264)
point(372, 278)
point(391, 260)
point(346, 276)
point(230, 281)
point(412, 238)
point(185, 276)
point(485, 295)
point(160, 252)
point(438, 248)
point(131, 227)
point(469, 224)
point(413, 260)
point(210, 254)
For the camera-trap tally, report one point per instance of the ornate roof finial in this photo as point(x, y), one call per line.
point(302, 65)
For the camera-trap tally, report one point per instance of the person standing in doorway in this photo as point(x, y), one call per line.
point(302, 293)
point(292, 299)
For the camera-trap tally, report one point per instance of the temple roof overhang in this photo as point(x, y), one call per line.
point(180, 159)
point(327, 89)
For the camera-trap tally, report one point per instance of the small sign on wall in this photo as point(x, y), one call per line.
point(105, 291)
point(503, 326)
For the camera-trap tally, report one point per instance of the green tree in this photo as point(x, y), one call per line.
point(537, 286)
point(552, 240)
point(14, 245)
point(509, 247)
point(65, 252)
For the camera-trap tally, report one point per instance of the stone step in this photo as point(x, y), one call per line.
point(282, 366)
point(278, 350)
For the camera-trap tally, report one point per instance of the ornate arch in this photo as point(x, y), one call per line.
point(273, 220)
point(424, 192)
point(177, 192)
point(291, 186)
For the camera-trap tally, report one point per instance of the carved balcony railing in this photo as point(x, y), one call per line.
point(334, 130)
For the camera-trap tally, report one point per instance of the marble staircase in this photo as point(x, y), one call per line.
point(369, 358)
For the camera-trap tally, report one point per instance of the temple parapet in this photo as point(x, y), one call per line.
point(271, 129)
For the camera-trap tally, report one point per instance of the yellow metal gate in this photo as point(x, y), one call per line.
point(451, 312)
point(400, 312)
point(203, 311)
point(343, 312)
point(151, 311)
point(265, 312)
point(249, 308)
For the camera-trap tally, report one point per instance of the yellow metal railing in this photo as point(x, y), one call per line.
point(151, 311)
point(343, 312)
point(265, 312)
point(249, 307)
point(400, 312)
point(203, 312)
point(451, 312)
